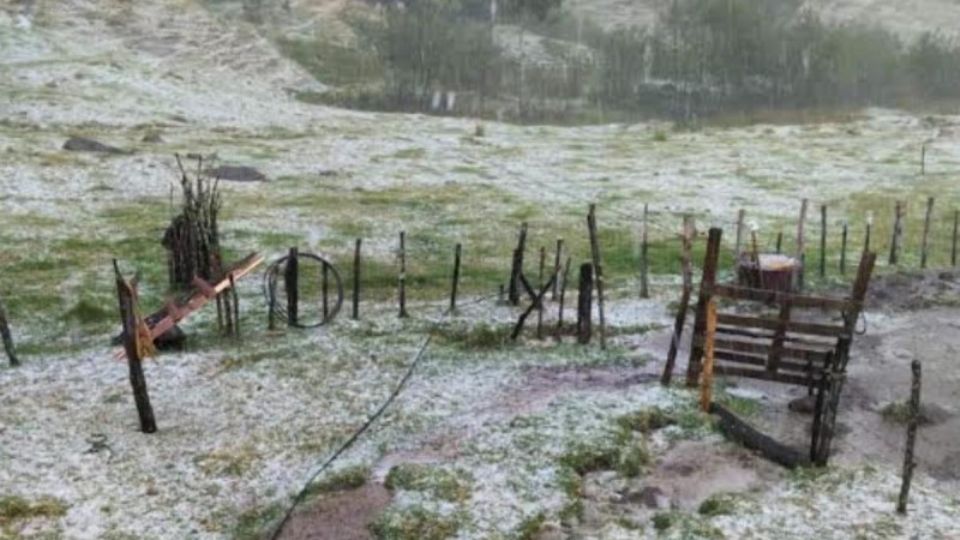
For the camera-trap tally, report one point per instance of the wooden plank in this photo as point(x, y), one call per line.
point(767, 323)
point(764, 375)
point(763, 349)
point(761, 361)
point(803, 341)
point(735, 292)
point(743, 433)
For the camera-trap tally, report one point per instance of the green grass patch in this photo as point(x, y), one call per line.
point(453, 486)
point(343, 480)
point(415, 523)
point(14, 508)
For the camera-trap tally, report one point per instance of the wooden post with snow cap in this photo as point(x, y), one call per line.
point(563, 293)
point(356, 279)
point(456, 277)
point(866, 237)
point(402, 281)
point(823, 241)
point(290, 279)
point(7, 337)
point(597, 270)
point(644, 255)
point(924, 248)
point(513, 291)
point(953, 244)
point(681, 318)
point(132, 345)
point(908, 462)
point(897, 230)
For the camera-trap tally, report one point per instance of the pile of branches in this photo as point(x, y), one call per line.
point(192, 239)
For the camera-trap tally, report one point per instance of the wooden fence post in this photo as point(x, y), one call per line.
point(800, 243)
point(645, 256)
point(953, 246)
point(543, 262)
point(706, 374)
point(7, 337)
point(513, 291)
point(556, 269)
point(706, 291)
point(236, 307)
point(456, 278)
point(908, 462)
point(681, 318)
point(897, 229)
point(356, 279)
point(738, 246)
point(563, 293)
point(138, 382)
point(823, 241)
point(290, 281)
point(866, 238)
point(402, 285)
point(585, 304)
point(779, 242)
point(598, 271)
point(926, 233)
point(843, 248)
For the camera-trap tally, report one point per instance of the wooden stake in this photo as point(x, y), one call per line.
point(739, 242)
point(953, 248)
point(706, 374)
point(585, 304)
point(843, 248)
point(644, 257)
point(681, 319)
point(456, 278)
point(563, 293)
point(403, 274)
point(710, 263)
point(543, 261)
point(7, 337)
point(356, 279)
point(926, 233)
point(272, 308)
point(800, 242)
point(598, 271)
point(513, 291)
point(138, 382)
point(779, 242)
point(291, 278)
point(823, 241)
point(908, 462)
point(236, 307)
point(556, 269)
point(897, 229)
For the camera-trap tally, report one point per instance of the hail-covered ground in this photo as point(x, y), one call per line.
point(490, 438)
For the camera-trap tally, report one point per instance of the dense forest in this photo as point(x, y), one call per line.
point(700, 57)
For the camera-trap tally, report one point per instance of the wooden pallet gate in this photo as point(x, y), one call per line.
point(787, 348)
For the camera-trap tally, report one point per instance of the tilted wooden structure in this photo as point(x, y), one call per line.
point(782, 349)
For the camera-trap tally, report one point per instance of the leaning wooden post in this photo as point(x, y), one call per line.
point(710, 264)
point(823, 241)
point(356, 279)
point(681, 319)
point(706, 373)
point(513, 291)
point(585, 304)
point(895, 237)
point(598, 271)
point(543, 262)
point(290, 280)
point(128, 317)
point(908, 463)
point(644, 256)
point(272, 307)
point(866, 238)
point(926, 233)
point(402, 292)
point(556, 269)
point(843, 248)
point(7, 337)
point(953, 246)
point(800, 243)
point(779, 242)
point(563, 293)
point(236, 306)
point(739, 242)
point(456, 278)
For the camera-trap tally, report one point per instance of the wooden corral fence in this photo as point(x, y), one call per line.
point(787, 348)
